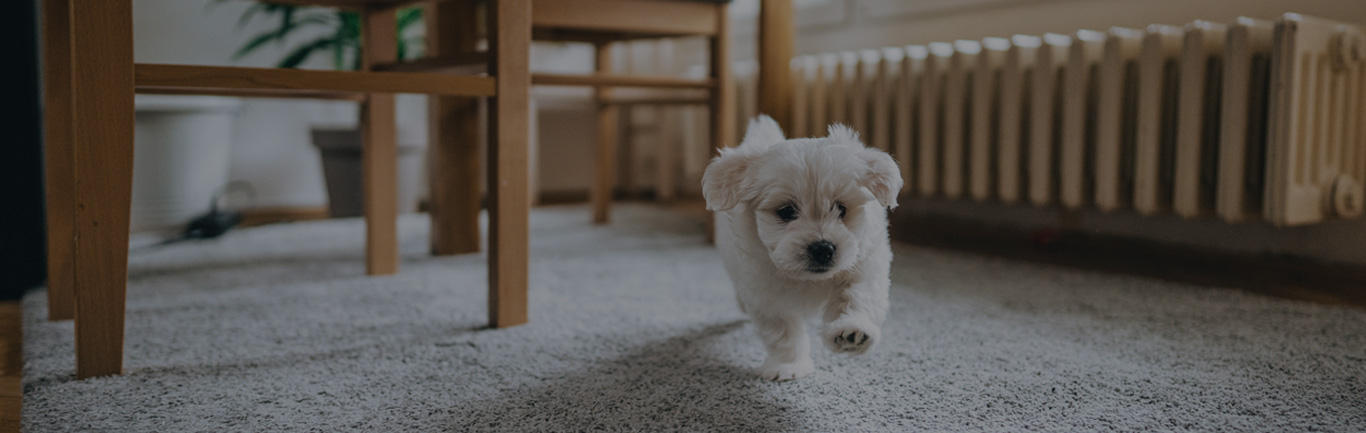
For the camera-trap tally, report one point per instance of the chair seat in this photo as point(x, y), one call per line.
point(592, 20)
point(615, 20)
point(357, 4)
point(346, 4)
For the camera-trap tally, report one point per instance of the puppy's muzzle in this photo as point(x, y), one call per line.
point(820, 255)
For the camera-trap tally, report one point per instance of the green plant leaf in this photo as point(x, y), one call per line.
point(254, 43)
point(344, 41)
point(350, 25)
point(325, 20)
point(407, 17)
point(338, 55)
point(286, 22)
point(302, 52)
point(406, 48)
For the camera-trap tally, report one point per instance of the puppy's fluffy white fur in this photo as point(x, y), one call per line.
point(801, 226)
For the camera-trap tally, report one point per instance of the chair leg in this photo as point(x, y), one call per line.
point(509, 196)
point(453, 175)
point(102, 116)
point(380, 171)
point(605, 169)
point(453, 153)
point(722, 97)
point(667, 153)
point(380, 151)
point(776, 34)
point(58, 158)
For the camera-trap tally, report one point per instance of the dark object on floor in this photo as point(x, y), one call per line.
point(212, 224)
point(217, 221)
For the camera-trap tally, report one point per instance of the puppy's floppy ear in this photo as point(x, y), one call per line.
point(882, 177)
point(843, 135)
point(762, 132)
point(723, 184)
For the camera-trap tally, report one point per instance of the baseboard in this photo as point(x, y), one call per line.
point(1280, 276)
point(271, 215)
point(581, 196)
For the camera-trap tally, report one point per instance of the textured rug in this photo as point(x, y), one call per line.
point(634, 328)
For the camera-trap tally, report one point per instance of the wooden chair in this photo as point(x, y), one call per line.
point(600, 22)
point(90, 82)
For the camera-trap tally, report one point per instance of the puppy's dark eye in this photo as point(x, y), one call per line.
point(787, 213)
point(841, 209)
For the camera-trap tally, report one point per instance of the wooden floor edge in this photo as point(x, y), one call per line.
point(11, 365)
point(270, 215)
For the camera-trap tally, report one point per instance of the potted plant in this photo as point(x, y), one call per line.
point(339, 148)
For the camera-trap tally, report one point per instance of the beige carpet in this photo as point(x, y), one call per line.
point(634, 328)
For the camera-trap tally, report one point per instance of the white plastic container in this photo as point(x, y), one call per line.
point(180, 158)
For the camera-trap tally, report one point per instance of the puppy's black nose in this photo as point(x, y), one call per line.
point(821, 252)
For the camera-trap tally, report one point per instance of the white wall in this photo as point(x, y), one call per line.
point(272, 149)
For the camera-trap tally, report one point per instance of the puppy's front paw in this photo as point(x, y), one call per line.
point(787, 370)
point(850, 337)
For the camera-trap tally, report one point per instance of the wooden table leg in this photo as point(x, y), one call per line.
point(776, 34)
point(509, 199)
point(667, 154)
point(380, 149)
point(666, 119)
point(453, 179)
point(723, 95)
point(102, 121)
point(58, 159)
point(605, 167)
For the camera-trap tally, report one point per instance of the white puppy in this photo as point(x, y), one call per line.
point(801, 225)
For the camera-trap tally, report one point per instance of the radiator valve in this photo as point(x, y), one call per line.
point(1346, 197)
